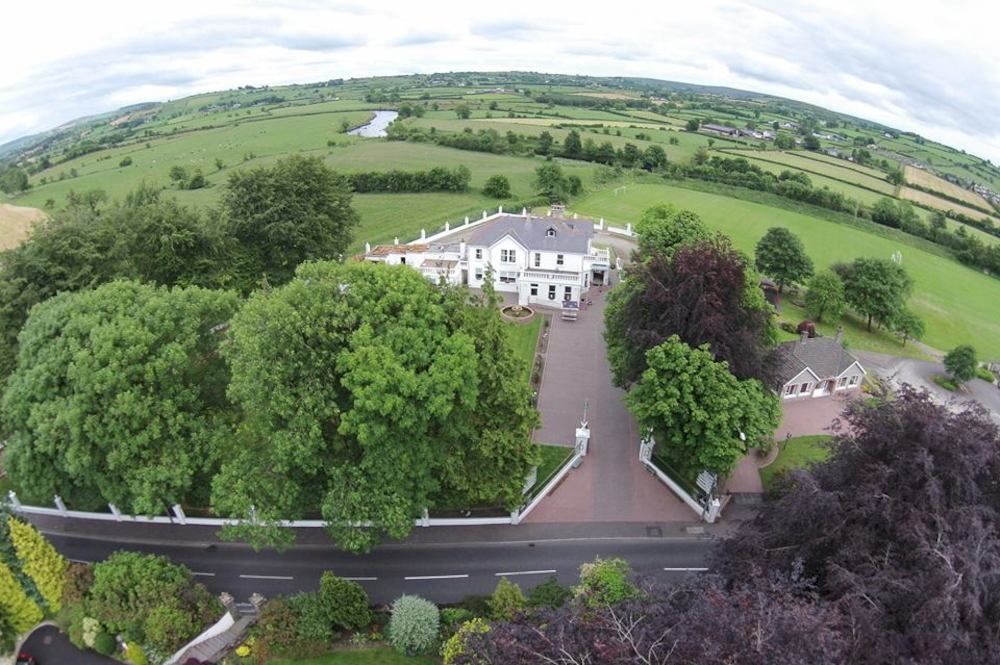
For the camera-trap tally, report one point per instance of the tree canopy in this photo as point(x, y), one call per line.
point(825, 296)
point(289, 213)
point(696, 409)
point(367, 393)
point(897, 531)
point(662, 228)
point(119, 396)
point(781, 255)
point(876, 288)
point(961, 363)
point(705, 293)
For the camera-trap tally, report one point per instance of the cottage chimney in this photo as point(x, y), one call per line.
point(839, 337)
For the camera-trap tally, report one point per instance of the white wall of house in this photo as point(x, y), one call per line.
point(807, 384)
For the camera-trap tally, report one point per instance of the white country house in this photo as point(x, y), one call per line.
point(544, 260)
point(816, 367)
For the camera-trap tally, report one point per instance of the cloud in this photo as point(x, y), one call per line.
point(421, 38)
point(507, 29)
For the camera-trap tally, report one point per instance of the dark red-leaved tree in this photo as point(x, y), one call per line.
point(899, 530)
point(705, 293)
point(704, 622)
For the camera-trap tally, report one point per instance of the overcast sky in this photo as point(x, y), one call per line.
point(930, 67)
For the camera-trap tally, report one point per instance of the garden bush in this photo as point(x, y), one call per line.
point(39, 561)
point(89, 629)
point(78, 579)
point(452, 618)
point(479, 606)
point(455, 646)
point(104, 643)
point(134, 654)
point(168, 628)
point(413, 625)
point(507, 600)
point(345, 602)
point(605, 582)
point(21, 611)
point(549, 594)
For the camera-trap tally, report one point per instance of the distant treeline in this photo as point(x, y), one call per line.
point(437, 179)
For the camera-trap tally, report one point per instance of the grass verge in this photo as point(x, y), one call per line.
point(796, 453)
point(523, 339)
point(945, 382)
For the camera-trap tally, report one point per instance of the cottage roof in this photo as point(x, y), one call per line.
point(568, 235)
point(825, 356)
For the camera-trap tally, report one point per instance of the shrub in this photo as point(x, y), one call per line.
point(277, 627)
point(168, 628)
point(78, 579)
point(605, 582)
point(70, 621)
point(507, 600)
point(21, 611)
point(345, 602)
point(452, 618)
point(104, 643)
point(413, 626)
point(125, 162)
point(39, 561)
point(313, 624)
point(455, 646)
point(497, 187)
point(8, 636)
point(89, 630)
point(135, 655)
point(549, 594)
point(479, 606)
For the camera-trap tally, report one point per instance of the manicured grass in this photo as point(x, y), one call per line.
point(377, 656)
point(523, 339)
point(796, 453)
point(945, 382)
point(957, 303)
point(553, 457)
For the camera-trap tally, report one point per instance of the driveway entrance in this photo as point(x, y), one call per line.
point(611, 485)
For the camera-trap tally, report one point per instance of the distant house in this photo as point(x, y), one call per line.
point(722, 130)
point(816, 367)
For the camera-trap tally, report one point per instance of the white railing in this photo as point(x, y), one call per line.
point(541, 275)
point(216, 629)
point(708, 511)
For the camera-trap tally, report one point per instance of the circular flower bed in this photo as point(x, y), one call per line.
point(517, 313)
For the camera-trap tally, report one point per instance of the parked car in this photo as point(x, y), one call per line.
point(26, 659)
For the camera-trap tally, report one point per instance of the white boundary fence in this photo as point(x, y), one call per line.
point(180, 518)
point(708, 511)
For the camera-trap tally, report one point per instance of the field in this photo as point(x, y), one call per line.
point(958, 304)
point(15, 223)
point(865, 196)
point(938, 203)
point(930, 181)
point(811, 166)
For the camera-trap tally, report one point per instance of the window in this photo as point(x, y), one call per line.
point(534, 289)
point(538, 260)
point(479, 274)
point(508, 277)
point(552, 291)
point(402, 260)
point(842, 382)
point(790, 390)
point(853, 381)
point(508, 256)
point(568, 293)
point(804, 388)
point(550, 233)
point(479, 253)
point(559, 259)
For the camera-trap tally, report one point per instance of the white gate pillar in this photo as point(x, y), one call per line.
point(582, 439)
point(179, 513)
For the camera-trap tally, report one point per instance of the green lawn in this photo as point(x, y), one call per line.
point(378, 656)
point(957, 303)
point(523, 339)
point(796, 453)
point(553, 457)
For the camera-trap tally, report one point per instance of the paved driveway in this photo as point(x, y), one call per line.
point(611, 485)
point(50, 647)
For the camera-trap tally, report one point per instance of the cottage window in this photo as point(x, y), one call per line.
point(842, 382)
point(551, 233)
point(538, 260)
point(479, 253)
point(568, 293)
point(552, 291)
point(854, 380)
point(534, 289)
point(508, 256)
point(804, 388)
point(559, 259)
point(479, 274)
point(508, 277)
point(790, 390)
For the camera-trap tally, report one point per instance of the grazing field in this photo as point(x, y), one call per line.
point(930, 181)
point(16, 223)
point(957, 303)
point(938, 203)
point(830, 170)
point(841, 163)
point(865, 196)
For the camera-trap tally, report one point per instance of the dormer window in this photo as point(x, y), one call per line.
point(550, 232)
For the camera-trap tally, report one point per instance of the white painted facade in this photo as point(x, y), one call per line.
point(807, 384)
point(539, 276)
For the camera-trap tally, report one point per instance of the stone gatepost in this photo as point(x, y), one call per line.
point(582, 439)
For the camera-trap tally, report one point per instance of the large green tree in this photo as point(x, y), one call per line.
point(288, 213)
point(119, 395)
point(363, 386)
point(876, 288)
point(961, 363)
point(781, 255)
point(825, 296)
point(662, 228)
point(697, 409)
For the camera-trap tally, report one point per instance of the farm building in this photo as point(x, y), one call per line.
point(721, 130)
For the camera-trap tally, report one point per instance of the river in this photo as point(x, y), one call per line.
point(376, 128)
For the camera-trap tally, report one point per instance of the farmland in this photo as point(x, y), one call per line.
point(951, 318)
point(930, 200)
point(930, 181)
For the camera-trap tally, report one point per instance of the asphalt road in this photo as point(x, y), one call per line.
point(440, 572)
point(50, 647)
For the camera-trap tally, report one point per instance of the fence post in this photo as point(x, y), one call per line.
point(14, 501)
point(582, 440)
point(515, 517)
point(628, 228)
point(423, 234)
point(447, 226)
point(179, 513)
point(114, 511)
point(499, 210)
point(60, 505)
point(467, 220)
point(425, 518)
point(713, 510)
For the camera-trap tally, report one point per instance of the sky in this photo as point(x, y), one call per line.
point(927, 66)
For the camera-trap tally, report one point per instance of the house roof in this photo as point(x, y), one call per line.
point(571, 235)
point(719, 128)
point(826, 357)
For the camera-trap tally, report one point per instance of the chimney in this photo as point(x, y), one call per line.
point(461, 249)
point(839, 337)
